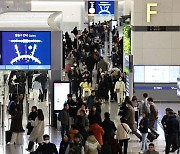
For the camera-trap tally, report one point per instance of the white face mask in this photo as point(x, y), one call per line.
point(46, 141)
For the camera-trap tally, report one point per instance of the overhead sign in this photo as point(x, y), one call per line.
point(102, 8)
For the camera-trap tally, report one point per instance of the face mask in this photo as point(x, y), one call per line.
point(75, 64)
point(46, 141)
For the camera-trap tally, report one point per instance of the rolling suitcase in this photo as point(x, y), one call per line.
point(8, 134)
point(151, 137)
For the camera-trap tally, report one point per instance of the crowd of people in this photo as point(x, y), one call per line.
point(82, 129)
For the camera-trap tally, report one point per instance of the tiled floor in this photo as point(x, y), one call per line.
point(134, 145)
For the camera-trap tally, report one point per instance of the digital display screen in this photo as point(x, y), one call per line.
point(26, 50)
point(61, 90)
point(102, 8)
point(156, 74)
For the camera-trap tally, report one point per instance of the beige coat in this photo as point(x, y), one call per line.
point(92, 145)
point(121, 133)
point(38, 131)
point(121, 86)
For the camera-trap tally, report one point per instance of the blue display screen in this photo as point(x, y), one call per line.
point(102, 8)
point(105, 8)
point(26, 49)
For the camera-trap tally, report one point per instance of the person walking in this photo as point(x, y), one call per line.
point(120, 89)
point(130, 119)
point(122, 135)
point(36, 86)
point(153, 116)
point(143, 128)
point(38, 130)
point(63, 117)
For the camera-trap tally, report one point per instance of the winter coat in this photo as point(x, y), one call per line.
point(108, 127)
point(63, 147)
point(147, 152)
point(172, 125)
point(121, 132)
point(94, 116)
point(130, 117)
point(98, 132)
point(153, 112)
point(64, 117)
point(49, 148)
point(16, 122)
point(92, 145)
point(120, 86)
point(32, 116)
point(145, 123)
point(82, 122)
point(90, 101)
point(38, 131)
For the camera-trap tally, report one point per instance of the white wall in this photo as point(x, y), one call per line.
point(156, 48)
point(73, 12)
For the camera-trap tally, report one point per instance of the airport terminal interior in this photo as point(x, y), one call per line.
point(89, 77)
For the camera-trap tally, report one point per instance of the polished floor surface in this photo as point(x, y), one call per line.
point(134, 145)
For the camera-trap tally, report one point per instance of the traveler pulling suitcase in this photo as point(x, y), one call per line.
point(8, 134)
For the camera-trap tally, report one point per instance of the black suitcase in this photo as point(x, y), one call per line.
point(8, 134)
point(151, 137)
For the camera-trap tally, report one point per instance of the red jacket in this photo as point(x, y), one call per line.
point(98, 132)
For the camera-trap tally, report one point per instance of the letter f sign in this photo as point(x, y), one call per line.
point(149, 12)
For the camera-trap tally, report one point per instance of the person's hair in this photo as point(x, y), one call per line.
point(77, 136)
point(151, 144)
point(14, 97)
point(74, 126)
point(34, 107)
point(145, 114)
point(69, 95)
point(145, 95)
point(36, 79)
point(168, 109)
point(127, 99)
point(84, 105)
point(150, 99)
point(45, 136)
point(122, 120)
point(40, 115)
point(90, 133)
point(93, 91)
point(107, 115)
point(65, 104)
point(130, 103)
point(83, 112)
point(134, 98)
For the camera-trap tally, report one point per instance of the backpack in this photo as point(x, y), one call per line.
point(9, 107)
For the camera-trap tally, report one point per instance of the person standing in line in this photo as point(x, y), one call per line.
point(16, 127)
point(64, 118)
point(153, 116)
point(90, 99)
point(63, 145)
point(38, 130)
point(94, 115)
point(36, 86)
point(143, 128)
point(120, 89)
point(151, 150)
point(122, 135)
